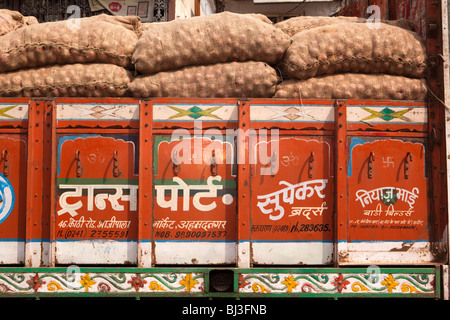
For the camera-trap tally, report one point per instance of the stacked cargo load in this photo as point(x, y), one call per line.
point(222, 55)
point(86, 57)
point(224, 156)
point(216, 56)
point(351, 58)
point(12, 20)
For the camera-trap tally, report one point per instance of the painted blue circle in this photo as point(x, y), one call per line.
point(7, 198)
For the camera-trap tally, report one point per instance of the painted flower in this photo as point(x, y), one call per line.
point(290, 283)
point(241, 281)
point(340, 283)
point(137, 282)
point(87, 282)
point(188, 282)
point(35, 282)
point(390, 283)
point(103, 287)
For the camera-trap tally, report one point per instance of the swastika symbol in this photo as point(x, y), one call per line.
point(388, 162)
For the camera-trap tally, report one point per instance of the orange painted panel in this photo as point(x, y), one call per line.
point(13, 182)
point(388, 193)
point(97, 188)
point(292, 196)
point(195, 189)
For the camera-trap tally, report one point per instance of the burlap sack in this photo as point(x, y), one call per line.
point(12, 20)
point(211, 39)
point(353, 47)
point(63, 42)
point(29, 20)
point(354, 86)
point(225, 80)
point(260, 17)
point(148, 25)
point(295, 25)
point(75, 80)
point(132, 23)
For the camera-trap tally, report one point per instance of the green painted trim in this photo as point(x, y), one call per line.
point(226, 183)
point(399, 269)
point(420, 270)
point(437, 284)
point(203, 273)
point(218, 295)
point(238, 270)
point(98, 181)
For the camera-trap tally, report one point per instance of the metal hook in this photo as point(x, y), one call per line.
point(311, 164)
point(408, 159)
point(79, 165)
point(176, 167)
point(213, 163)
point(409, 155)
point(115, 164)
point(273, 163)
point(370, 166)
point(5, 158)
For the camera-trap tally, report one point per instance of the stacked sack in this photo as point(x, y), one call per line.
point(12, 20)
point(346, 58)
point(220, 55)
point(295, 25)
point(216, 56)
point(88, 57)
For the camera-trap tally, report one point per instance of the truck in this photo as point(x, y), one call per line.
point(231, 197)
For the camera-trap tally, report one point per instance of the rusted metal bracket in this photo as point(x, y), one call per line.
point(213, 164)
point(79, 169)
point(311, 165)
point(435, 139)
point(408, 159)
point(5, 159)
point(370, 165)
point(115, 164)
point(176, 166)
point(273, 164)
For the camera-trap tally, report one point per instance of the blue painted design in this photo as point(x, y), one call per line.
point(359, 141)
point(353, 143)
point(127, 138)
point(7, 198)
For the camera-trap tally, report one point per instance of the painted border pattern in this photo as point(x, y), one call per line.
point(195, 112)
point(340, 284)
point(322, 282)
point(292, 113)
point(98, 111)
point(100, 282)
point(387, 114)
point(13, 111)
point(226, 112)
point(383, 113)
